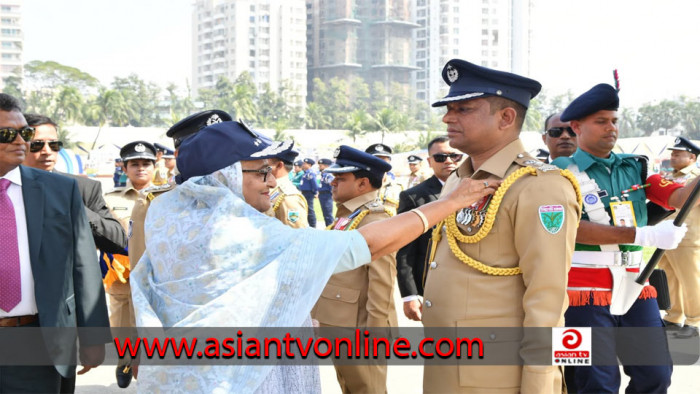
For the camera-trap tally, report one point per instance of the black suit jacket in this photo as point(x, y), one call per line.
point(410, 260)
point(67, 279)
point(107, 232)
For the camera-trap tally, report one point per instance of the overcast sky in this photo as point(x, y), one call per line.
point(574, 44)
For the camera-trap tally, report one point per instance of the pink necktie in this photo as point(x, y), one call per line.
point(10, 285)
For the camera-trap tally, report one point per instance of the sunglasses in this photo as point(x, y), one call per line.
point(37, 145)
point(555, 132)
point(442, 157)
point(265, 171)
point(8, 134)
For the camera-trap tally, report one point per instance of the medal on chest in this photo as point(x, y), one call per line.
point(473, 216)
point(351, 222)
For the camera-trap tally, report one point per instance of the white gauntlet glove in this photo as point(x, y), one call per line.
point(663, 235)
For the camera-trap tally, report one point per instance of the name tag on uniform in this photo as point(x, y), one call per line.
point(623, 214)
point(120, 208)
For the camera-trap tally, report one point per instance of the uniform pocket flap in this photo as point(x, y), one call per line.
point(497, 329)
point(338, 293)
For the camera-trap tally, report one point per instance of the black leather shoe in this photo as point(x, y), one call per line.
point(686, 332)
point(672, 327)
point(124, 376)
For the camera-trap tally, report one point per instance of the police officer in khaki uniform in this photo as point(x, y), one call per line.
point(288, 204)
point(682, 265)
point(139, 158)
point(362, 297)
point(508, 264)
point(390, 190)
point(160, 173)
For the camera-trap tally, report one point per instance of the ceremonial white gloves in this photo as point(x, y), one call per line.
point(663, 235)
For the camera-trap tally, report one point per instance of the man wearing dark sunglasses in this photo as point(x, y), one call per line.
point(47, 264)
point(410, 260)
point(559, 138)
point(43, 152)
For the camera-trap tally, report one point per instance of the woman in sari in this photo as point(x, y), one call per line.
point(213, 259)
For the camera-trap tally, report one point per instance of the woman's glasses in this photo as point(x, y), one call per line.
point(37, 145)
point(8, 134)
point(265, 171)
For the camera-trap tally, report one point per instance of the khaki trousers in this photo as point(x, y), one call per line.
point(682, 267)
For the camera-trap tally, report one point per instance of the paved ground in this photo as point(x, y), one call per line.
point(401, 379)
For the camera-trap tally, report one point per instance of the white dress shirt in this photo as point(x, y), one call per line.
point(27, 305)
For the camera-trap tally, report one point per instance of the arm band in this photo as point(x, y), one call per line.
point(660, 190)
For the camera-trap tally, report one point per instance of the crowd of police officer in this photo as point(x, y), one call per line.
point(545, 251)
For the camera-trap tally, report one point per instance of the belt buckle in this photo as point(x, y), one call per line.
point(624, 259)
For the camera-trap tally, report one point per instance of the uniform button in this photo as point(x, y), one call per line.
point(428, 303)
point(337, 296)
point(433, 265)
point(492, 336)
point(520, 155)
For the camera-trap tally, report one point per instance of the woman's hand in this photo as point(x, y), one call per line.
point(470, 191)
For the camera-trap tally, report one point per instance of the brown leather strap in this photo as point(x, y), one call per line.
point(17, 321)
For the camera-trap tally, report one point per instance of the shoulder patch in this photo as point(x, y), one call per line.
point(552, 217)
point(293, 216)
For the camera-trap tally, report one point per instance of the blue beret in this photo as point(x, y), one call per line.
point(286, 151)
point(309, 161)
point(138, 150)
point(196, 122)
point(683, 143)
point(348, 159)
point(298, 163)
point(326, 162)
point(598, 98)
point(219, 146)
point(468, 81)
point(413, 159)
point(379, 150)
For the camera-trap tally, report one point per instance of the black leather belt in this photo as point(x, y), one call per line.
point(17, 321)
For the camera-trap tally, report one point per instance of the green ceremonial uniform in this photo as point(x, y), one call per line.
point(625, 171)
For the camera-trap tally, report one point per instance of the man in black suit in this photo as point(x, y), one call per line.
point(47, 261)
point(559, 138)
point(108, 234)
point(410, 260)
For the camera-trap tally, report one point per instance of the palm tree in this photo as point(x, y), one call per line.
point(117, 110)
point(387, 121)
point(68, 104)
point(356, 123)
point(316, 116)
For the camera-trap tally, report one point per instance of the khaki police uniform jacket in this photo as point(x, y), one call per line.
point(137, 233)
point(121, 203)
point(457, 295)
point(160, 174)
point(682, 265)
point(362, 297)
point(389, 195)
point(288, 204)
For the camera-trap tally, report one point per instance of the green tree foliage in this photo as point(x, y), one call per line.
point(69, 95)
point(659, 117)
point(142, 97)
